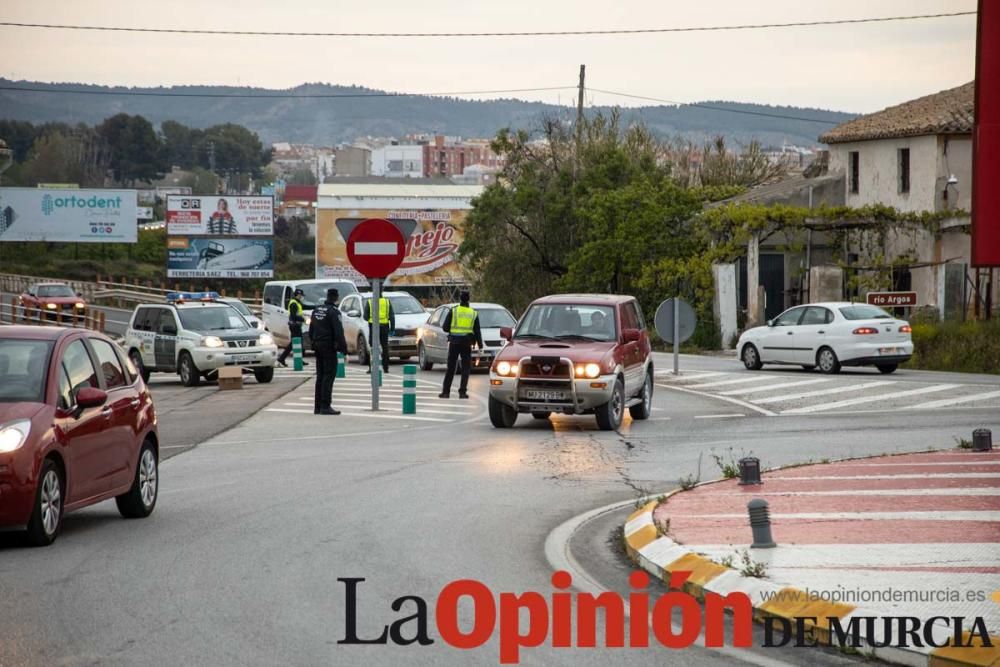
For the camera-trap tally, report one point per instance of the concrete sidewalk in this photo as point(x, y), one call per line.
point(910, 535)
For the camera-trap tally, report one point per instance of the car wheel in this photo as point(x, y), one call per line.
point(46, 516)
point(541, 415)
point(138, 502)
point(645, 409)
point(425, 363)
point(264, 375)
point(827, 360)
point(190, 376)
point(362, 351)
point(501, 415)
point(136, 360)
point(610, 415)
point(886, 368)
point(751, 357)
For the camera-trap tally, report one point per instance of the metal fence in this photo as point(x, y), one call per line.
point(12, 311)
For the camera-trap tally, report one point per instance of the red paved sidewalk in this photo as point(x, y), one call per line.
point(917, 522)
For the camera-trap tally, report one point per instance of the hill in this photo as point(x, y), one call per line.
point(331, 120)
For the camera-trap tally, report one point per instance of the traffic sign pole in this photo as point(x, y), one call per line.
point(677, 335)
point(376, 363)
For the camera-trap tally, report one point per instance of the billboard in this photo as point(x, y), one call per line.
point(220, 257)
point(220, 215)
point(68, 215)
point(986, 140)
point(430, 251)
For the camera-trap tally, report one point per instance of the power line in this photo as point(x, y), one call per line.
point(276, 95)
point(714, 108)
point(537, 33)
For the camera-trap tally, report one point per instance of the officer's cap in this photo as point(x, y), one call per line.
point(298, 292)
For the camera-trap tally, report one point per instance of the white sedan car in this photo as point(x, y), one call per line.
point(828, 336)
point(432, 346)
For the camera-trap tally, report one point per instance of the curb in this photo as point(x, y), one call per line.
point(660, 556)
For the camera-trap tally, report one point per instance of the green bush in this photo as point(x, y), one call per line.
point(967, 347)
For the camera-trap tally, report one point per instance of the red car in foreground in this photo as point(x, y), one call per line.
point(52, 301)
point(574, 354)
point(77, 426)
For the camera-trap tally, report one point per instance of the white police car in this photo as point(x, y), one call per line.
point(194, 335)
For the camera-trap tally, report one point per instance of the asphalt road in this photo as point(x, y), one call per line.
point(239, 563)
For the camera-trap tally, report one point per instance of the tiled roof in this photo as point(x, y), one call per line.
point(947, 112)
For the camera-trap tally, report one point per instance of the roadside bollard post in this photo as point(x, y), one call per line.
point(100, 321)
point(409, 389)
point(297, 354)
point(982, 440)
point(341, 365)
point(760, 524)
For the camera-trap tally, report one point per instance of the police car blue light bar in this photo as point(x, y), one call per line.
point(192, 296)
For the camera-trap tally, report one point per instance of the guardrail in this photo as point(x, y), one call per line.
point(121, 293)
point(14, 312)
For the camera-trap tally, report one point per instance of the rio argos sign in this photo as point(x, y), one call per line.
point(68, 215)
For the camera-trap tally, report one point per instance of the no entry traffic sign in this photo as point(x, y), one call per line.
point(375, 248)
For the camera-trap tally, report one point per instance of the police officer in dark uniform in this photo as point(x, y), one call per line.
point(462, 326)
point(295, 321)
point(327, 333)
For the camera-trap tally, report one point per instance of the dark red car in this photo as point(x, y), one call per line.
point(52, 301)
point(574, 354)
point(77, 426)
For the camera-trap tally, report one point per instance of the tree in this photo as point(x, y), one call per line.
point(201, 181)
point(748, 168)
point(76, 157)
point(136, 152)
point(302, 176)
point(179, 144)
point(576, 217)
point(235, 148)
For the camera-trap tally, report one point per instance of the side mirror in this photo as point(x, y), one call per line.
point(770, 323)
point(507, 333)
point(170, 330)
point(631, 335)
point(91, 397)
point(354, 313)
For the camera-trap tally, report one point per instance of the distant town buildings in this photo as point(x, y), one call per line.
point(352, 161)
point(287, 159)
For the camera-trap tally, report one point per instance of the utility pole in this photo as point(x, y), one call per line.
point(579, 107)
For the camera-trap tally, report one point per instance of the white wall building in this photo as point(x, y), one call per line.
point(916, 156)
point(398, 161)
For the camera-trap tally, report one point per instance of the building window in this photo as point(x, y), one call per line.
point(904, 170)
point(854, 160)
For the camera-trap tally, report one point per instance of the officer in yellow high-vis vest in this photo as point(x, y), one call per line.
point(387, 320)
point(462, 326)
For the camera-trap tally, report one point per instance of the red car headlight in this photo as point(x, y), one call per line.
point(13, 435)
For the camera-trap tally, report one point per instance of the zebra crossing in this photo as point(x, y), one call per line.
point(777, 393)
point(352, 396)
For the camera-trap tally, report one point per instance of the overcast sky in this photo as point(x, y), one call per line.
point(856, 68)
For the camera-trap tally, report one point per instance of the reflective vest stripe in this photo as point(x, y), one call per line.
point(463, 320)
point(383, 310)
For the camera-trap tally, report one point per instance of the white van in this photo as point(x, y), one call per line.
point(277, 294)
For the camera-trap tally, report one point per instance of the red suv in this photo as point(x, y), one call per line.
point(52, 301)
point(574, 354)
point(77, 427)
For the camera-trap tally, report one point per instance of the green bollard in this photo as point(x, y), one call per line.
point(341, 365)
point(409, 389)
point(380, 377)
point(297, 353)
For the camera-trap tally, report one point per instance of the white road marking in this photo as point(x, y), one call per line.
point(352, 413)
point(971, 515)
point(739, 414)
point(824, 392)
point(781, 385)
point(954, 401)
point(695, 375)
point(823, 407)
point(743, 380)
point(734, 401)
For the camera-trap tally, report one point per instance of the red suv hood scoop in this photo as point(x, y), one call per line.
point(560, 346)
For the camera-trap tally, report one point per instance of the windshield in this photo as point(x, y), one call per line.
point(240, 307)
point(864, 312)
point(494, 318)
point(560, 320)
point(315, 293)
point(23, 367)
point(55, 290)
point(406, 305)
point(211, 318)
